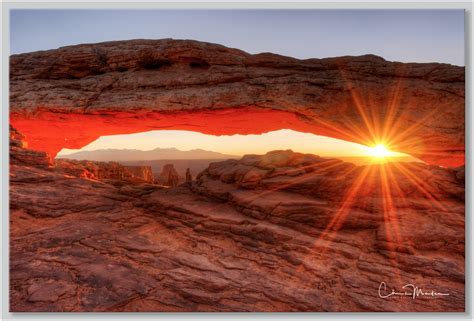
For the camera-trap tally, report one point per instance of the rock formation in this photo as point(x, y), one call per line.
point(277, 232)
point(68, 97)
point(144, 173)
point(189, 177)
point(169, 176)
point(105, 170)
point(21, 155)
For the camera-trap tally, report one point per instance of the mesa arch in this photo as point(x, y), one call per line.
point(68, 97)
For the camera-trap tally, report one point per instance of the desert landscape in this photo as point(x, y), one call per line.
point(277, 231)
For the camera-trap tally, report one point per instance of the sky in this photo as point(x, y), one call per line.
point(396, 35)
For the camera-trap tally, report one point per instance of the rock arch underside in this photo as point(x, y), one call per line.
point(70, 96)
point(277, 232)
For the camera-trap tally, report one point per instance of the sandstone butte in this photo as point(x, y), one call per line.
point(68, 97)
point(282, 231)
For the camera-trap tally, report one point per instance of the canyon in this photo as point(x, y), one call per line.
point(283, 231)
point(278, 232)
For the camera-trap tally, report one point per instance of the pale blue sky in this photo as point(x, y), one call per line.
point(400, 35)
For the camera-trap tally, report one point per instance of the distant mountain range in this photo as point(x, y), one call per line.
point(124, 155)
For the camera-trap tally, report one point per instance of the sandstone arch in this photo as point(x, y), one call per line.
point(68, 97)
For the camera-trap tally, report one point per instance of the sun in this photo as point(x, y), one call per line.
point(380, 151)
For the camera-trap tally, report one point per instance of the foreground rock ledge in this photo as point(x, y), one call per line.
point(414, 108)
point(274, 232)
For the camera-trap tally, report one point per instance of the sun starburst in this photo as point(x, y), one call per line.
point(385, 182)
point(380, 151)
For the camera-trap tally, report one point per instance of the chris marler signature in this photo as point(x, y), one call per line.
point(409, 289)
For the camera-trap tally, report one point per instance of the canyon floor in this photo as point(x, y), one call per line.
point(277, 232)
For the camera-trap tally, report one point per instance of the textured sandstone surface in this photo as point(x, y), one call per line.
point(279, 232)
point(151, 84)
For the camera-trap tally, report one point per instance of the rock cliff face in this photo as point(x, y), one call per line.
point(277, 232)
point(105, 170)
point(169, 176)
point(70, 96)
point(144, 173)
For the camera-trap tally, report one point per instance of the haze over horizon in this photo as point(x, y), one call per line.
point(237, 145)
